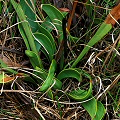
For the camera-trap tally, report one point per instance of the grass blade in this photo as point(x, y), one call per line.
point(101, 32)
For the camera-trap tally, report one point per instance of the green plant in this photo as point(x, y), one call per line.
point(26, 30)
point(39, 37)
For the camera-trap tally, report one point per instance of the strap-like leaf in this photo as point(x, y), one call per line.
point(22, 32)
point(28, 7)
point(48, 34)
point(101, 32)
point(69, 73)
point(56, 17)
point(27, 29)
point(49, 80)
point(33, 58)
point(80, 95)
point(43, 75)
point(46, 44)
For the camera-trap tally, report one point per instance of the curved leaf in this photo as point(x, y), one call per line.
point(52, 12)
point(91, 107)
point(49, 80)
point(43, 74)
point(33, 58)
point(71, 72)
point(48, 34)
point(100, 111)
point(95, 109)
point(29, 9)
point(58, 84)
point(80, 95)
point(56, 17)
point(46, 44)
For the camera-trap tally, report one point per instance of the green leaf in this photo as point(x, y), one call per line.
point(29, 11)
point(28, 7)
point(3, 65)
point(80, 95)
point(46, 44)
point(91, 107)
point(69, 73)
point(73, 73)
point(100, 111)
point(47, 24)
point(49, 80)
point(49, 35)
point(58, 84)
point(50, 94)
point(56, 17)
point(101, 32)
point(24, 24)
point(52, 12)
point(22, 32)
point(95, 109)
point(43, 74)
point(33, 58)
point(26, 28)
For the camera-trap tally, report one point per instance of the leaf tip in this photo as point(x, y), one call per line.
point(113, 16)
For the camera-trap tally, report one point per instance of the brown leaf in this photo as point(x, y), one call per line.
point(115, 13)
point(8, 79)
point(64, 9)
point(20, 74)
point(9, 62)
